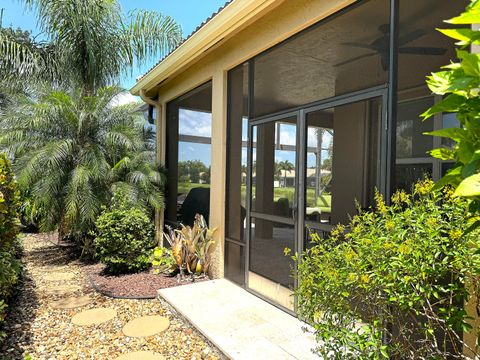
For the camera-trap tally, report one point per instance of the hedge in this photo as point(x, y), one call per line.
point(9, 229)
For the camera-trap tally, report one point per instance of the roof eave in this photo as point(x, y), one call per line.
point(226, 22)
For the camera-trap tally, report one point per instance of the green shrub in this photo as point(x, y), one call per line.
point(9, 205)
point(124, 239)
point(9, 227)
point(162, 260)
point(393, 283)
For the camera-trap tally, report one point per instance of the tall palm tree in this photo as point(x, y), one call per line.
point(285, 166)
point(73, 150)
point(22, 59)
point(95, 43)
point(72, 147)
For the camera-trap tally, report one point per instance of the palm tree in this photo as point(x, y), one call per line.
point(22, 60)
point(71, 146)
point(73, 150)
point(285, 166)
point(95, 43)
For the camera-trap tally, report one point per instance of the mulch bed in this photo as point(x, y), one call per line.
point(142, 285)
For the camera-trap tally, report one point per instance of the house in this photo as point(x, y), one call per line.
point(324, 84)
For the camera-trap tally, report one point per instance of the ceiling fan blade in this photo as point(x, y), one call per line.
point(422, 50)
point(412, 36)
point(360, 45)
point(355, 59)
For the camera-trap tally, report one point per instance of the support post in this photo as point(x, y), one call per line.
point(218, 171)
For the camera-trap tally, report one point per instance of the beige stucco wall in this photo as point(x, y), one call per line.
point(286, 19)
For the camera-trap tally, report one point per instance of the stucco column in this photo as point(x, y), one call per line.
point(219, 163)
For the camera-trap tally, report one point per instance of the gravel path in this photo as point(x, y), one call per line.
point(37, 329)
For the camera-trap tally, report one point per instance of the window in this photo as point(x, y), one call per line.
point(189, 121)
point(150, 115)
point(342, 162)
point(413, 159)
point(422, 50)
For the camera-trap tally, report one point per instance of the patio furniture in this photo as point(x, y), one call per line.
point(196, 202)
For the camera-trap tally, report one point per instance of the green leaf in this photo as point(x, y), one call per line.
point(383, 351)
point(456, 134)
point(472, 227)
point(470, 187)
point(471, 168)
point(447, 180)
point(470, 63)
point(471, 16)
point(450, 104)
point(443, 154)
point(465, 36)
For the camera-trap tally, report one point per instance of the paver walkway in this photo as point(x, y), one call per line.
point(242, 325)
point(40, 328)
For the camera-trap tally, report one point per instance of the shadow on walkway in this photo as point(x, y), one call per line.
point(24, 303)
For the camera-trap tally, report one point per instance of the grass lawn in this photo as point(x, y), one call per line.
point(324, 202)
point(184, 188)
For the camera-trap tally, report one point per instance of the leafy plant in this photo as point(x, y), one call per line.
point(89, 44)
point(162, 260)
point(191, 246)
point(10, 266)
point(459, 84)
point(9, 204)
point(73, 151)
point(393, 283)
point(23, 59)
point(30, 215)
point(124, 239)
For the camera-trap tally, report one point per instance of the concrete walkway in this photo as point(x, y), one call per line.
point(242, 325)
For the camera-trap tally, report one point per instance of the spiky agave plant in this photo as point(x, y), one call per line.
point(176, 240)
point(204, 245)
point(66, 147)
point(191, 246)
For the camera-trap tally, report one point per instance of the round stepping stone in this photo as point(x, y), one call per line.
point(146, 326)
point(62, 289)
point(72, 302)
point(59, 276)
point(141, 355)
point(94, 316)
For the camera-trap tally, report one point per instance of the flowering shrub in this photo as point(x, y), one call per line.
point(393, 283)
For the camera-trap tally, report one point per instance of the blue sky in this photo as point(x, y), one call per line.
point(189, 13)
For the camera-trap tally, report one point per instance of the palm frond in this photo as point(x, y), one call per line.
point(149, 34)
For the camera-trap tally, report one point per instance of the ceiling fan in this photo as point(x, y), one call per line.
point(381, 46)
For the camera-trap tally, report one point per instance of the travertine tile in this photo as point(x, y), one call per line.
point(242, 325)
